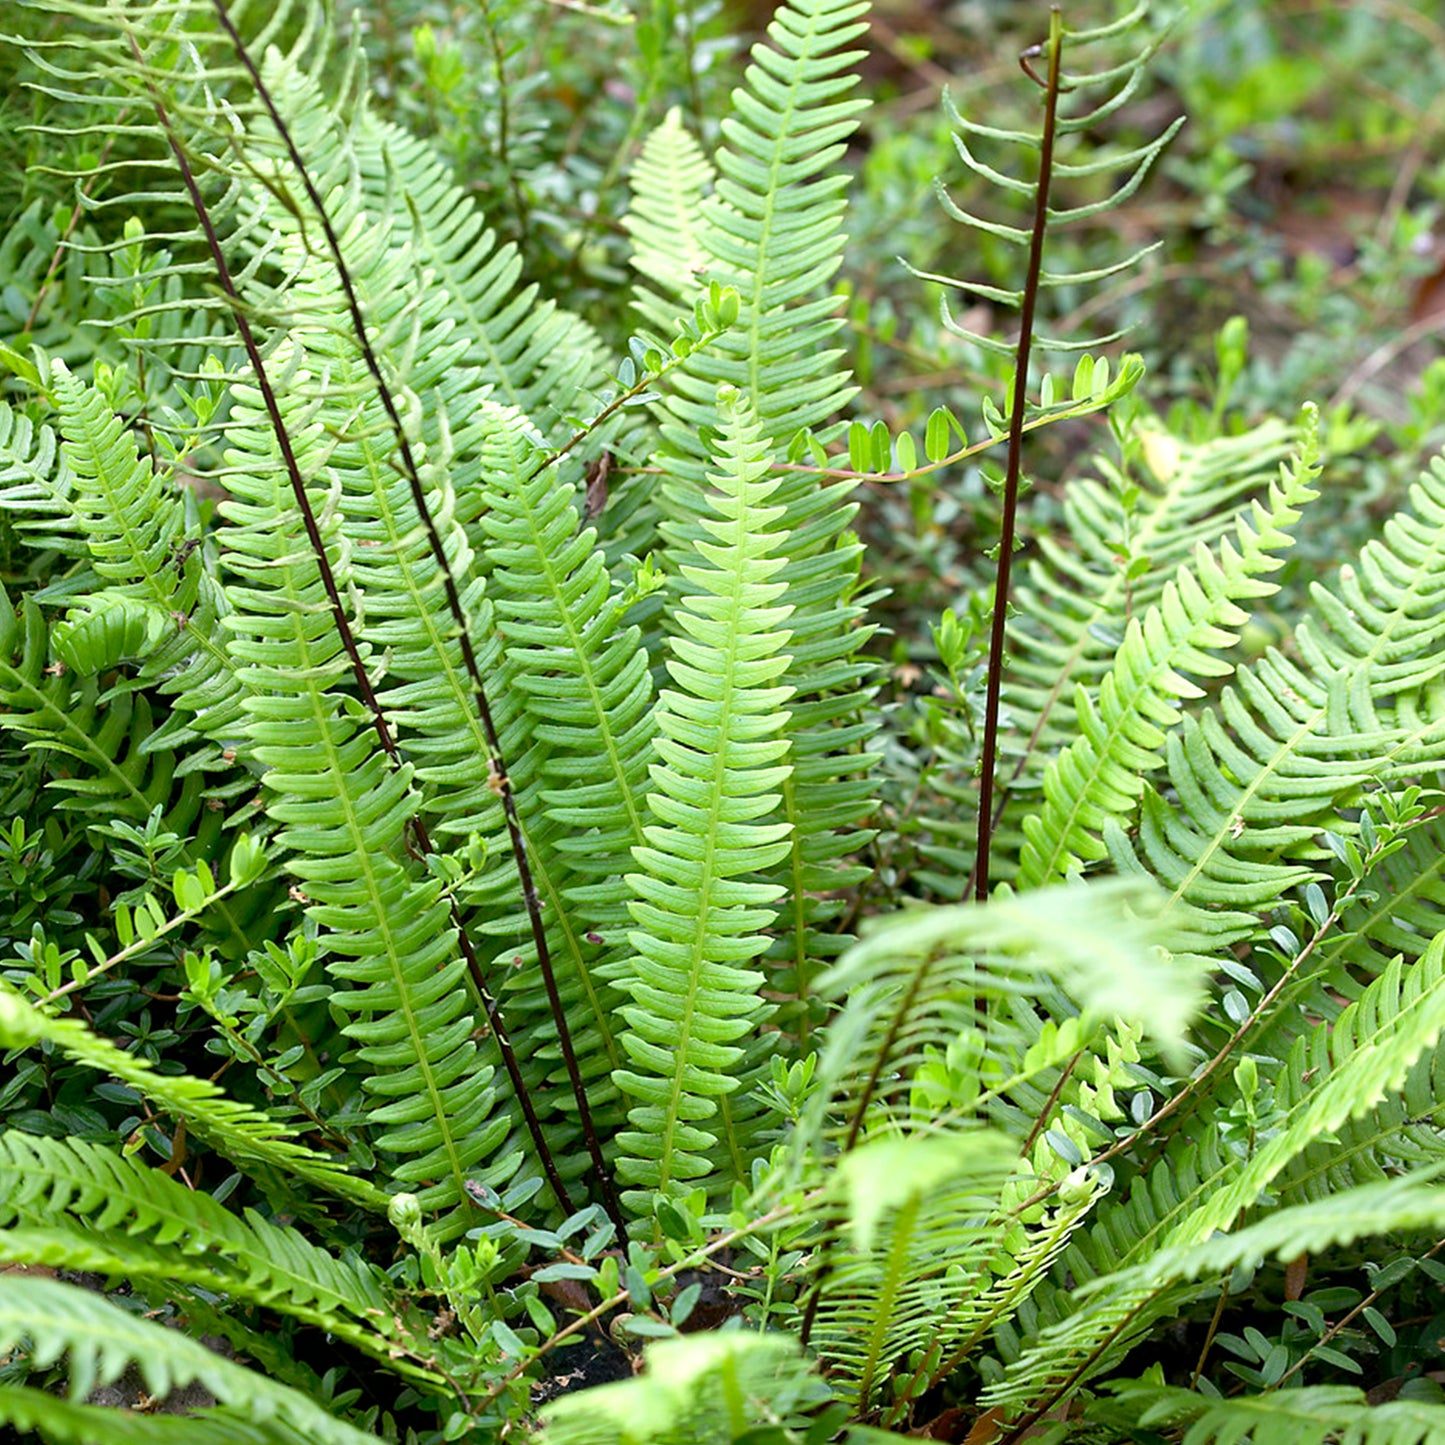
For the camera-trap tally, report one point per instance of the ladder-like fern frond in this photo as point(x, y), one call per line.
point(49, 1319)
point(1098, 777)
point(700, 911)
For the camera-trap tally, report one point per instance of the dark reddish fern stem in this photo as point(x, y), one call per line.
point(496, 763)
point(1009, 526)
point(338, 612)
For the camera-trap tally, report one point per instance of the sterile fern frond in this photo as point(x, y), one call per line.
point(1255, 780)
point(242, 1134)
point(71, 1205)
point(669, 182)
point(1340, 1073)
point(699, 908)
point(1312, 1415)
point(585, 685)
point(1099, 776)
point(706, 1389)
point(48, 1320)
point(1412, 1204)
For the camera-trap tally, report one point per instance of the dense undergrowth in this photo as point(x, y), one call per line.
point(635, 748)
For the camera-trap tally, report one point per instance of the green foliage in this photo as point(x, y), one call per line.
point(443, 731)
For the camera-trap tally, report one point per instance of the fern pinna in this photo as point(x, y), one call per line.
point(470, 714)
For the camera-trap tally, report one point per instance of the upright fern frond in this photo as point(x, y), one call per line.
point(699, 910)
point(1101, 773)
point(586, 688)
point(670, 180)
point(346, 809)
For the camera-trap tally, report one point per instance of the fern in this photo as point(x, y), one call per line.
point(48, 1319)
point(77, 1206)
point(241, 1133)
point(1096, 778)
point(699, 912)
point(1309, 1416)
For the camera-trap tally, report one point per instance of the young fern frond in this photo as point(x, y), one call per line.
point(922, 1226)
point(698, 906)
point(1100, 775)
point(669, 182)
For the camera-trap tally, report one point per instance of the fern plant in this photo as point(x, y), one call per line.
point(462, 724)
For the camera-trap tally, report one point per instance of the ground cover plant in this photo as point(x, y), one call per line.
point(511, 931)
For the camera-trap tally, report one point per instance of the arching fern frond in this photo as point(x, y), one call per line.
point(72, 1205)
point(235, 1130)
point(1199, 1187)
point(1291, 744)
point(1120, 738)
point(48, 1319)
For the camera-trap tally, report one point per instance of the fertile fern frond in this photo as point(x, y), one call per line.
point(72, 1205)
point(242, 1134)
point(47, 1319)
point(1099, 776)
point(1118, 82)
point(699, 909)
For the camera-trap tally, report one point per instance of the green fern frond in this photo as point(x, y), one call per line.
point(47, 1319)
point(1339, 1074)
point(345, 810)
point(921, 1223)
point(73, 1205)
point(1412, 1204)
point(699, 910)
point(670, 179)
point(242, 1134)
point(61, 1422)
point(706, 1389)
point(585, 684)
point(1292, 743)
point(772, 228)
point(1308, 1416)
point(1099, 776)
